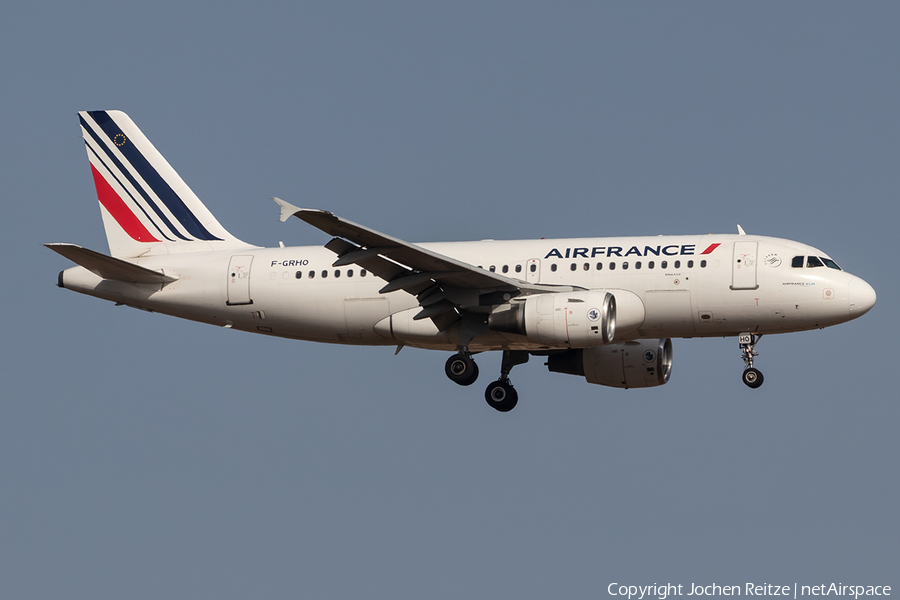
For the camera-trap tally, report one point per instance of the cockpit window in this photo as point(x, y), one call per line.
point(831, 264)
point(813, 261)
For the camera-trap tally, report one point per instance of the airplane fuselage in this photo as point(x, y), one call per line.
point(687, 286)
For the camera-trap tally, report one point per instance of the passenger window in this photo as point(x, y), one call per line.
point(664, 264)
point(797, 262)
point(637, 265)
point(573, 266)
point(690, 264)
point(362, 272)
point(599, 266)
point(519, 268)
point(492, 268)
point(533, 267)
point(625, 265)
point(324, 274)
point(505, 268)
point(651, 264)
point(299, 275)
point(587, 267)
point(349, 272)
point(702, 264)
point(337, 273)
point(312, 274)
point(677, 264)
point(552, 268)
point(812, 261)
point(612, 266)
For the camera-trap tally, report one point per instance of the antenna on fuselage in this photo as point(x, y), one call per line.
point(741, 231)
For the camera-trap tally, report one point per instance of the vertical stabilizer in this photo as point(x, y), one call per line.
point(147, 208)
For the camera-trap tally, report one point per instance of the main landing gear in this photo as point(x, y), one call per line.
point(461, 369)
point(500, 394)
point(753, 378)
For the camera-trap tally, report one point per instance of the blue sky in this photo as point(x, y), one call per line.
point(146, 457)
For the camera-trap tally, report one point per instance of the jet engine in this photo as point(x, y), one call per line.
point(574, 319)
point(635, 364)
point(570, 319)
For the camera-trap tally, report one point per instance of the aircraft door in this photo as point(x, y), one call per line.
point(533, 270)
point(743, 274)
point(239, 280)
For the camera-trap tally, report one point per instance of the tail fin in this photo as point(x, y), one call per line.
point(147, 208)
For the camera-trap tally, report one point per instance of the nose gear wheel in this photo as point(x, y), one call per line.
point(752, 377)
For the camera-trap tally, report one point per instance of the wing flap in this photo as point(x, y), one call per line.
point(370, 261)
point(434, 310)
point(409, 281)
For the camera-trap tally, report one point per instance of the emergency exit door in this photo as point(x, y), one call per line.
point(533, 270)
point(239, 280)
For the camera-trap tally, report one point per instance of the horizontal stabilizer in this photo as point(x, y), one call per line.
point(108, 267)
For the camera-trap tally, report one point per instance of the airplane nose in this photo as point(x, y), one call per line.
point(862, 297)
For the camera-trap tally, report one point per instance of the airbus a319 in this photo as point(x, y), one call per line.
point(605, 309)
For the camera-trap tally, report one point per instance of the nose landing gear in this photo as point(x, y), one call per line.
point(753, 378)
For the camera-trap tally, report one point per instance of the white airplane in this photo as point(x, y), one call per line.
point(602, 308)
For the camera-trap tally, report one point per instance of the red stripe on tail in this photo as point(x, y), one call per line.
point(120, 212)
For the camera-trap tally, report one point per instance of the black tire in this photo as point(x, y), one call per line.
point(753, 378)
point(501, 396)
point(461, 369)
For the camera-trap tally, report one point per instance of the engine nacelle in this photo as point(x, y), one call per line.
point(636, 364)
point(565, 319)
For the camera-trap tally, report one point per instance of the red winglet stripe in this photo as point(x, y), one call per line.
point(710, 249)
point(120, 212)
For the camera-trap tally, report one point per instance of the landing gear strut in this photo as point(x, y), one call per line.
point(500, 394)
point(461, 369)
point(753, 378)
